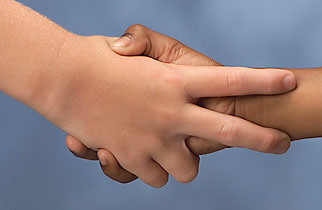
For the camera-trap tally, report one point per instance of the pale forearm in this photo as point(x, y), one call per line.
point(32, 54)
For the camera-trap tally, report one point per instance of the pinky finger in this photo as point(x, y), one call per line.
point(112, 169)
point(80, 150)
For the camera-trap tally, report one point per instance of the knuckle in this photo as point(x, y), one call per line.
point(228, 132)
point(167, 117)
point(175, 50)
point(172, 83)
point(234, 81)
point(171, 78)
point(223, 105)
point(188, 176)
point(136, 28)
point(159, 181)
point(157, 143)
point(156, 178)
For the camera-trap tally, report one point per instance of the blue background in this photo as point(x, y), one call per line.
point(38, 172)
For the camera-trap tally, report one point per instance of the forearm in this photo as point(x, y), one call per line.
point(33, 55)
point(298, 113)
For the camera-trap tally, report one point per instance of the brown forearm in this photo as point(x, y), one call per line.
point(298, 113)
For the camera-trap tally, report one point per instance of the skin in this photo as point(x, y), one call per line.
point(139, 109)
point(297, 113)
point(139, 40)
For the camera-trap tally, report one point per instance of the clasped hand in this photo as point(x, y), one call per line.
point(143, 114)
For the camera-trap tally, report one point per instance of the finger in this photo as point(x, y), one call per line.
point(140, 40)
point(225, 105)
point(178, 161)
point(233, 131)
point(150, 172)
point(199, 146)
point(112, 169)
point(79, 149)
point(233, 81)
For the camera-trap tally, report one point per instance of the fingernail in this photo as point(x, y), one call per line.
point(123, 41)
point(283, 146)
point(289, 82)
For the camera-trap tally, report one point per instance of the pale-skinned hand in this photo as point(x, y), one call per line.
point(139, 40)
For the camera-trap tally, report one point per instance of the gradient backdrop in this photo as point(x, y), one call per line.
point(38, 172)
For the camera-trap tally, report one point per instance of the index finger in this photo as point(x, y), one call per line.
point(233, 81)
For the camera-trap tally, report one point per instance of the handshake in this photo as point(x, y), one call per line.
point(146, 106)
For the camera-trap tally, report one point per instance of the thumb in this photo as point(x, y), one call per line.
point(129, 45)
point(140, 40)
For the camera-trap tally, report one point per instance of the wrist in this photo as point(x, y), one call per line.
point(75, 65)
point(287, 112)
point(49, 89)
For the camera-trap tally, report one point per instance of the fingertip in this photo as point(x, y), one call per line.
point(285, 80)
point(131, 44)
point(75, 146)
point(112, 169)
point(289, 81)
point(103, 157)
point(122, 42)
point(275, 142)
point(189, 172)
point(69, 142)
point(80, 150)
point(161, 183)
point(157, 182)
point(284, 145)
point(188, 177)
